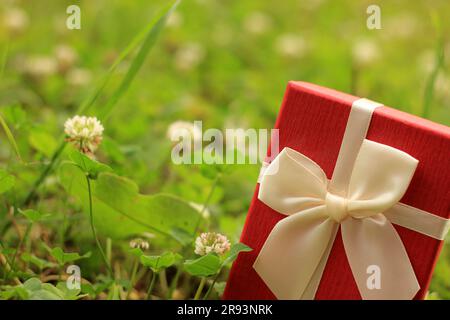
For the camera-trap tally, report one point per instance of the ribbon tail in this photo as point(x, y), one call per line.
point(378, 259)
point(313, 285)
point(293, 251)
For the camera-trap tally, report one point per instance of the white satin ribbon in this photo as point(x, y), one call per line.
point(362, 198)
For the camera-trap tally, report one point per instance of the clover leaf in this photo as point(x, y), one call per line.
point(157, 263)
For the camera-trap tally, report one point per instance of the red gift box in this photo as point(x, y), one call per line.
point(312, 120)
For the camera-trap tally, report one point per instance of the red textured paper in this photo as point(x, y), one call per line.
point(312, 120)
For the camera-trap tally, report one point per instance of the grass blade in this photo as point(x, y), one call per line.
point(10, 137)
point(4, 59)
point(150, 40)
point(105, 79)
point(438, 65)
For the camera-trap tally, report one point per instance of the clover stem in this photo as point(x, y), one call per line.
point(151, 286)
point(163, 281)
point(211, 286)
point(200, 288)
point(94, 233)
point(206, 203)
point(133, 276)
point(108, 250)
point(174, 283)
point(44, 173)
point(21, 241)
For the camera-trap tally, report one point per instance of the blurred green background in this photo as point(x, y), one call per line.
point(225, 62)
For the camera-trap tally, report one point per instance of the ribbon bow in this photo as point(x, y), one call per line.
point(295, 253)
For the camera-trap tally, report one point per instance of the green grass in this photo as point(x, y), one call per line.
point(138, 70)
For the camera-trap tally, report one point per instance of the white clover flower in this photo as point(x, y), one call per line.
point(291, 45)
point(39, 67)
point(257, 23)
point(211, 242)
point(15, 21)
point(66, 57)
point(184, 129)
point(139, 243)
point(85, 133)
point(78, 77)
point(189, 56)
point(365, 52)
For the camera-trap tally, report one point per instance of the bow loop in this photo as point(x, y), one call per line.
point(292, 183)
point(380, 177)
